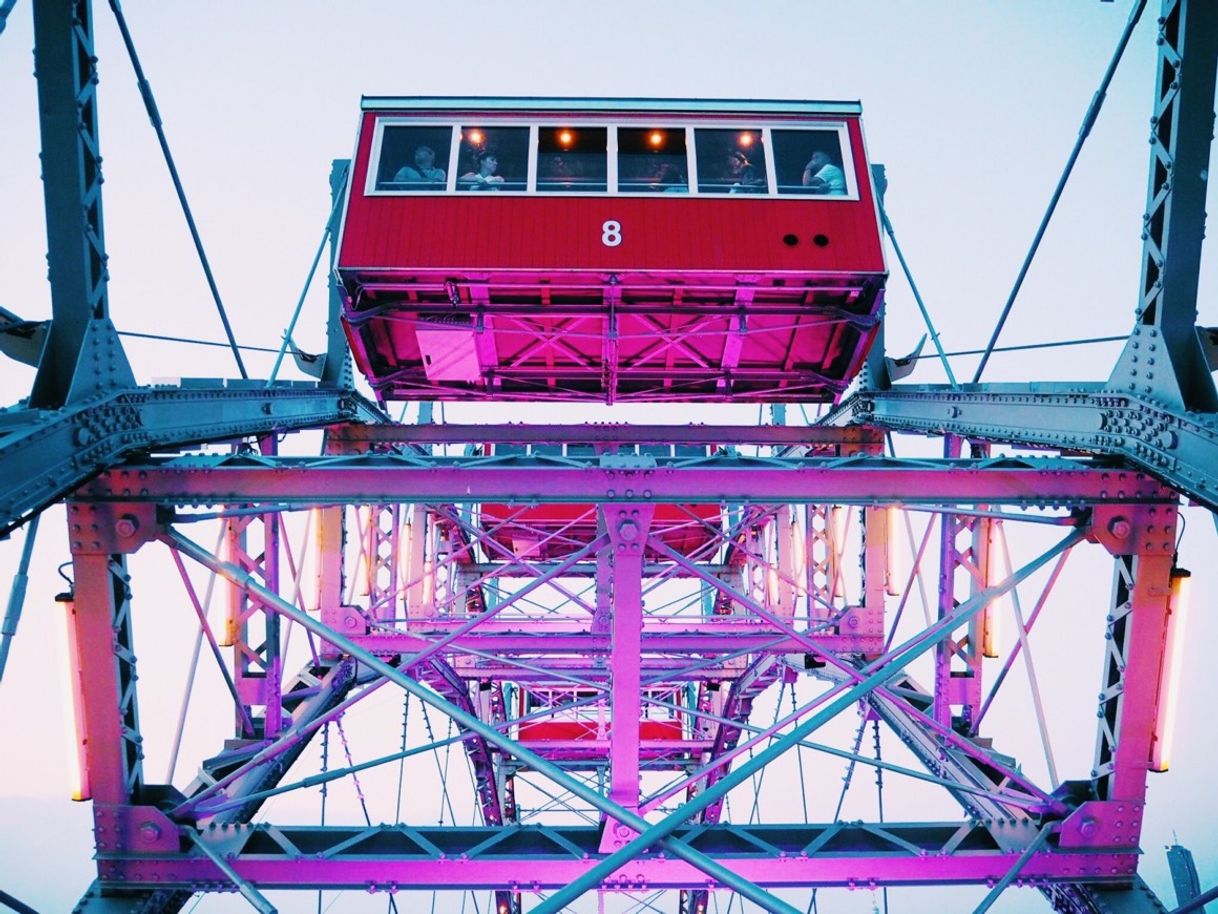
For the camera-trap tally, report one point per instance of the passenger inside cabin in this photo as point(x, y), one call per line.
point(822, 176)
point(741, 176)
point(484, 178)
point(423, 171)
point(669, 179)
point(558, 168)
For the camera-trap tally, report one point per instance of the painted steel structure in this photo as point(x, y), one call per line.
point(602, 606)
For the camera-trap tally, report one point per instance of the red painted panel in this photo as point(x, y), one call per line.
point(578, 730)
point(681, 527)
point(669, 232)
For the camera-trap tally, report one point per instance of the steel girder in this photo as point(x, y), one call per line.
point(45, 454)
point(1025, 482)
point(389, 858)
point(1177, 446)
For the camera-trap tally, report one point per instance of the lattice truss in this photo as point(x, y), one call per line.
point(489, 666)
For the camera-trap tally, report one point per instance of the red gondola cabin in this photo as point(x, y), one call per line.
point(610, 249)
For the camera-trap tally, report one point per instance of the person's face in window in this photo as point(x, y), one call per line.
point(818, 161)
point(424, 157)
point(735, 165)
point(490, 165)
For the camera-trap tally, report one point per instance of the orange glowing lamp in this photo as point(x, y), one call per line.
point(1169, 673)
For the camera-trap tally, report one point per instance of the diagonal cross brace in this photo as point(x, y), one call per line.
point(847, 670)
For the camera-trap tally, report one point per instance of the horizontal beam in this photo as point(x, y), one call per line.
point(45, 454)
point(542, 638)
point(604, 433)
point(1032, 482)
point(1179, 447)
point(402, 857)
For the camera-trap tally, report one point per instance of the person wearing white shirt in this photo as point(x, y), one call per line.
point(484, 178)
point(821, 176)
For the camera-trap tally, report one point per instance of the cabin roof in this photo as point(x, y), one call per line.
point(608, 105)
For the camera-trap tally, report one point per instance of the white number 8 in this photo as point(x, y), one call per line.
point(611, 233)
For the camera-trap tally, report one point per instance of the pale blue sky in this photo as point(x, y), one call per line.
point(973, 107)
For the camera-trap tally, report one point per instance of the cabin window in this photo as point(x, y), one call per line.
point(572, 160)
point(493, 158)
point(809, 162)
point(731, 161)
point(652, 160)
point(414, 158)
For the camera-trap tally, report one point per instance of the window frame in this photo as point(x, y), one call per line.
point(843, 136)
point(374, 157)
point(610, 128)
point(530, 165)
point(766, 126)
point(690, 158)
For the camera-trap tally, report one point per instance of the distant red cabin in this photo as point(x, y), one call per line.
point(611, 249)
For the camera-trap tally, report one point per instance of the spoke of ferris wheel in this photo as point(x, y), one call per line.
point(841, 797)
point(435, 746)
point(1033, 684)
point(706, 550)
point(1017, 649)
point(915, 575)
point(246, 722)
point(337, 773)
point(192, 668)
point(439, 768)
point(558, 801)
point(799, 763)
point(297, 574)
point(997, 796)
point(919, 642)
point(759, 778)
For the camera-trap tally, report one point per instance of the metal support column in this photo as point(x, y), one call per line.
point(627, 526)
point(82, 356)
point(1163, 358)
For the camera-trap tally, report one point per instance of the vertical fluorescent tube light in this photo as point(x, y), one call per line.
point(894, 573)
point(234, 596)
point(837, 528)
point(74, 701)
point(1169, 674)
point(997, 570)
point(312, 554)
point(368, 515)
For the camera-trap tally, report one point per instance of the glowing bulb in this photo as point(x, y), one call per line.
point(566, 137)
point(475, 137)
point(1169, 675)
point(656, 138)
point(746, 139)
